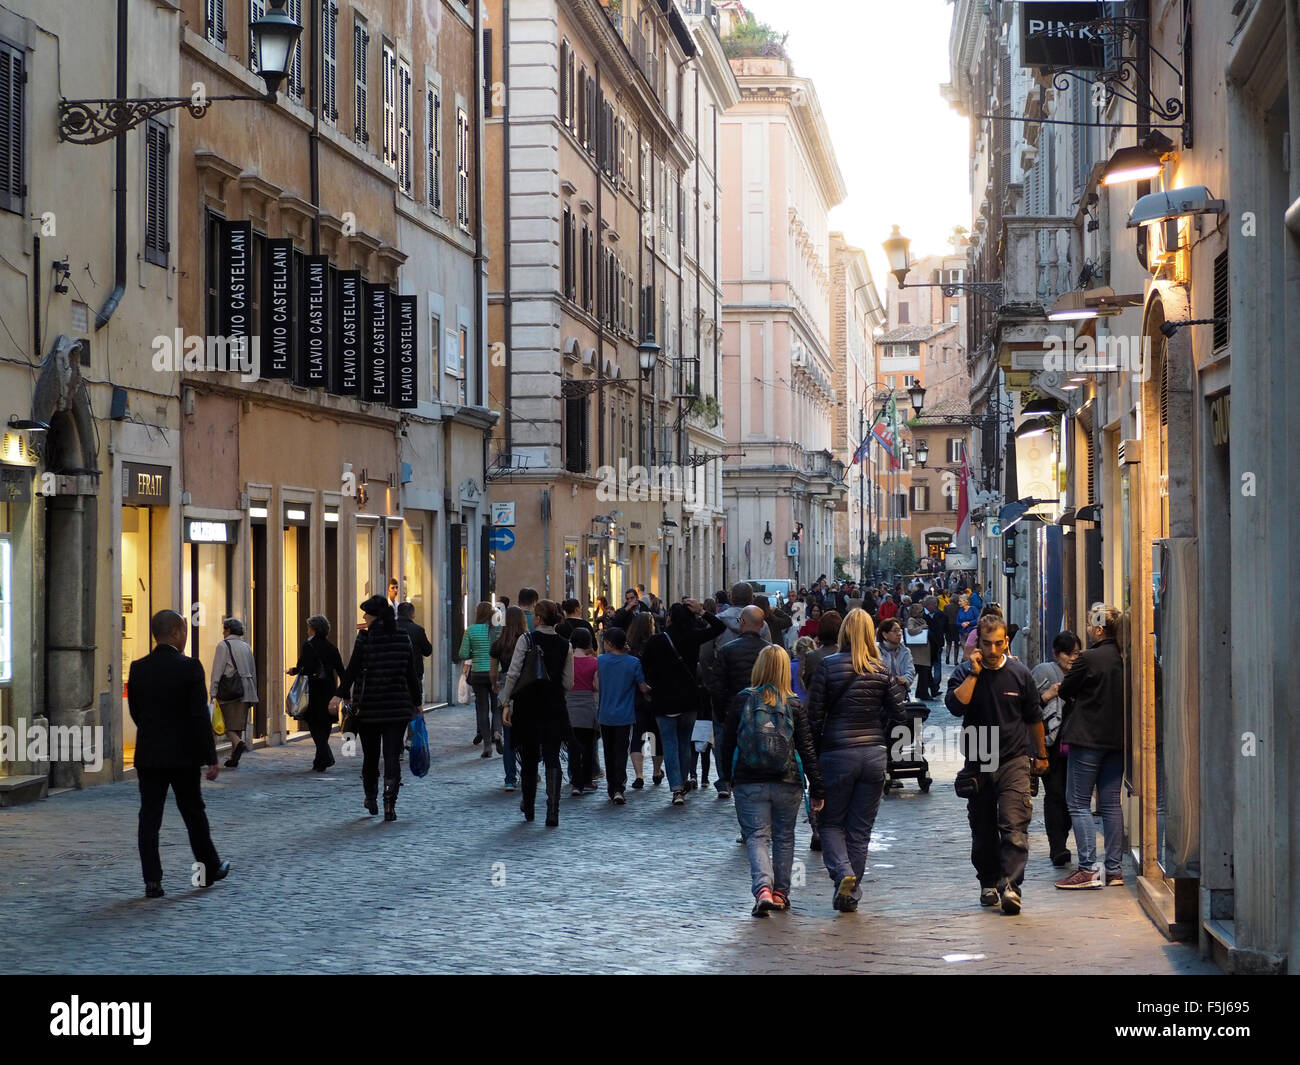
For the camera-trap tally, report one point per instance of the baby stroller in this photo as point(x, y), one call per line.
point(907, 749)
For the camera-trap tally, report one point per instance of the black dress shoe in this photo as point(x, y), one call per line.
point(478, 738)
point(223, 871)
point(153, 891)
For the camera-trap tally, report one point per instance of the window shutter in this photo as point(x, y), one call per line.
point(1222, 301)
point(215, 22)
point(256, 9)
point(404, 128)
point(487, 73)
point(295, 68)
point(390, 106)
point(12, 81)
point(462, 168)
point(330, 71)
point(360, 42)
point(564, 82)
point(156, 159)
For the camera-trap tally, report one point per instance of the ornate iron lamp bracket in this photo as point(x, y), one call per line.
point(1124, 78)
point(95, 121)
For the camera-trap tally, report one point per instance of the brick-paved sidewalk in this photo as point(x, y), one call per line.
point(319, 887)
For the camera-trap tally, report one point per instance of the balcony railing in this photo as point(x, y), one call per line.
point(1041, 259)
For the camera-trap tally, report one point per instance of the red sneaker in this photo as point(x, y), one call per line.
point(763, 903)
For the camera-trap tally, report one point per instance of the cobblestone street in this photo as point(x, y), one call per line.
point(318, 887)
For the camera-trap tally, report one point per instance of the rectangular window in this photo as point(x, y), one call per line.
point(360, 96)
point(566, 97)
point(462, 168)
point(404, 127)
point(330, 51)
point(904, 314)
point(13, 82)
point(576, 411)
point(954, 450)
point(921, 497)
point(157, 160)
point(466, 367)
point(389, 72)
point(433, 140)
point(214, 22)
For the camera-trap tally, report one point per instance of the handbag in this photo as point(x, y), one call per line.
point(534, 669)
point(298, 701)
point(230, 688)
point(463, 693)
point(419, 760)
point(218, 719)
point(351, 719)
point(919, 638)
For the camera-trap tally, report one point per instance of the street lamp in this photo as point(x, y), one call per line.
point(94, 121)
point(917, 395)
point(647, 354)
point(922, 454)
point(897, 251)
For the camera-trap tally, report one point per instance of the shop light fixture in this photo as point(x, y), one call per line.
point(296, 515)
point(257, 512)
point(1174, 203)
point(1131, 164)
point(332, 517)
point(1034, 427)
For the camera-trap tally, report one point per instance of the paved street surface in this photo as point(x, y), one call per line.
point(320, 887)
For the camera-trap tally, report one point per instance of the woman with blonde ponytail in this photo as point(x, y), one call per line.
point(852, 707)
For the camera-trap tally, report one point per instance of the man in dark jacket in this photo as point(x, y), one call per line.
point(1093, 727)
point(168, 702)
point(938, 625)
point(733, 666)
point(998, 697)
point(415, 633)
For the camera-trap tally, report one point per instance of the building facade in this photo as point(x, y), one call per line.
point(95, 473)
point(1171, 410)
point(782, 481)
point(605, 205)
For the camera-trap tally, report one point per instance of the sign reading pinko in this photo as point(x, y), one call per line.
point(1061, 35)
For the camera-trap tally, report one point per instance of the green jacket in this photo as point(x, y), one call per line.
point(475, 645)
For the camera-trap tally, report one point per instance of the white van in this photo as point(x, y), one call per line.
point(780, 592)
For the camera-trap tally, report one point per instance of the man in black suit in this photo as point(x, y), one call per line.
point(169, 704)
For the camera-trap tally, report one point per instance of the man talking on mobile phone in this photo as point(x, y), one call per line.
point(997, 695)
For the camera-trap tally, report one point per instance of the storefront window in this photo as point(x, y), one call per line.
point(137, 606)
point(210, 570)
point(365, 551)
point(413, 574)
point(296, 577)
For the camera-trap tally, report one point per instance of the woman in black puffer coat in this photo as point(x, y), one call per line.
point(320, 660)
point(385, 690)
point(852, 708)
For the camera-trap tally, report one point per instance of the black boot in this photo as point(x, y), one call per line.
point(554, 781)
point(371, 788)
point(390, 799)
point(529, 801)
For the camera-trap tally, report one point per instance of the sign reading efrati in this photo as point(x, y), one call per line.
point(1061, 35)
point(144, 485)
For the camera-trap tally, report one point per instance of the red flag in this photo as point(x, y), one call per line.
point(963, 504)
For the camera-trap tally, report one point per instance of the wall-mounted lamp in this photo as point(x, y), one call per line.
point(767, 533)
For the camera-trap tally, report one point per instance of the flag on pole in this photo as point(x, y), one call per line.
point(963, 504)
point(886, 432)
point(861, 454)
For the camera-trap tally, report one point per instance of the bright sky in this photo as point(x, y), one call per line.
point(904, 152)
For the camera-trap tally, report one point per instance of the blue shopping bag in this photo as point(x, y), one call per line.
point(419, 747)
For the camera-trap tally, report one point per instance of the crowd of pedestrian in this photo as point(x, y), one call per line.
point(789, 703)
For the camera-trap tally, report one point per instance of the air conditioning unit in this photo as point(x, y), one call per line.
point(1129, 453)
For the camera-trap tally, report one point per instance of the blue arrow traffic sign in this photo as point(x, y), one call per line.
point(503, 539)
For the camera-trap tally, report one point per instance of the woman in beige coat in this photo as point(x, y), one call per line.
point(234, 658)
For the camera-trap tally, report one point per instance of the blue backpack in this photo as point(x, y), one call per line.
point(765, 734)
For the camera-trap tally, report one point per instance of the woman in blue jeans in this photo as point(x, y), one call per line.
point(852, 706)
point(1093, 728)
point(768, 797)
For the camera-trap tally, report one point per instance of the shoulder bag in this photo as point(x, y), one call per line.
point(534, 669)
point(230, 688)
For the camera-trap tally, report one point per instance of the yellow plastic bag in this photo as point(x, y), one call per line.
point(218, 719)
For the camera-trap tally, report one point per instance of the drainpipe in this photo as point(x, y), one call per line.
point(119, 187)
point(508, 323)
point(313, 138)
